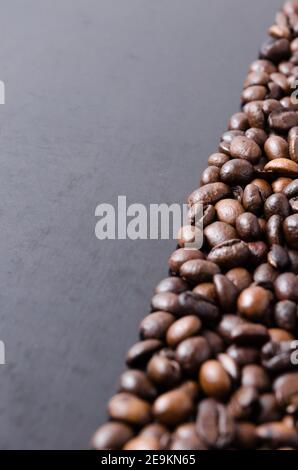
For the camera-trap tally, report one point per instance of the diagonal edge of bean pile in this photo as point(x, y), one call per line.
point(215, 367)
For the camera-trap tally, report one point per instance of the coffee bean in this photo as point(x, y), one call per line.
point(219, 232)
point(158, 432)
point(214, 425)
point(137, 383)
point(214, 340)
point(270, 105)
point(286, 287)
point(244, 355)
point(242, 147)
point(130, 409)
point(252, 199)
point(258, 252)
point(249, 334)
point(292, 189)
point(164, 372)
point(228, 210)
point(256, 120)
point(280, 184)
point(166, 301)
point(277, 435)
point(182, 255)
point(293, 255)
point(247, 226)
point(191, 304)
point(278, 335)
point(265, 276)
point(214, 380)
point(238, 122)
point(226, 292)
point(269, 409)
point(171, 284)
point(277, 204)
point(276, 147)
point(286, 391)
point(285, 315)
point(210, 175)
point(206, 291)
point(291, 230)
point(254, 302)
point(172, 408)
point(192, 352)
point(236, 171)
point(228, 136)
point(275, 50)
point(255, 376)
point(140, 353)
point(281, 80)
point(278, 257)
point(293, 144)
point(253, 93)
point(230, 366)
point(262, 66)
point(243, 403)
point(275, 230)
point(198, 270)
point(210, 193)
point(227, 325)
point(282, 166)
point(229, 254)
point(188, 234)
point(142, 443)
point(111, 436)
point(237, 192)
point(294, 204)
point(186, 438)
point(276, 357)
point(240, 277)
point(155, 325)
point(182, 329)
point(257, 133)
point(246, 436)
point(218, 159)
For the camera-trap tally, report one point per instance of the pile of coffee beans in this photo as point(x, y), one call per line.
point(216, 365)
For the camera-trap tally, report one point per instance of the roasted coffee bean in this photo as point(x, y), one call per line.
point(206, 291)
point(130, 409)
point(292, 189)
point(199, 217)
point(191, 304)
point(166, 301)
point(255, 376)
point(171, 284)
point(215, 342)
point(249, 334)
point(270, 105)
point(275, 230)
point(293, 144)
point(282, 167)
point(142, 443)
point(256, 78)
point(156, 325)
point(243, 403)
point(111, 436)
point(192, 353)
point(256, 117)
point(236, 171)
point(275, 50)
point(242, 147)
point(227, 325)
point(226, 292)
point(276, 357)
point(158, 432)
point(185, 438)
point(198, 270)
point(293, 255)
point(286, 391)
point(228, 136)
point(210, 175)
point(276, 147)
point(269, 409)
point(283, 120)
point(253, 93)
point(286, 315)
point(228, 210)
point(229, 365)
point(262, 66)
point(214, 425)
point(240, 277)
point(291, 230)
point(252, 199)
point(277, 435)
point(247, 226)
point(172, 408)
point(214, 380)
point(294, 204)
point(254, 302)
point(281, 80)
point(246, 436)
point(265, 276)
point(182, 255)
point(188, 234)
point(210, 193)
point(218, 159)
point(140, 353)
point(264, 187)
point(280, 184)
point(219, 232)
point(163, 372)
point(182, 329)
point(230, 254)
point(286, 287)
point(256, 134)
point(137, 383)
point(278, 257)
point(258, 252)
point(238, 122)
point(278, 335)
point(277, 204)
point(244, 355)
point(224, 147)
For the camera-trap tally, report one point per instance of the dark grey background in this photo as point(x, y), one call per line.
point(104, 97)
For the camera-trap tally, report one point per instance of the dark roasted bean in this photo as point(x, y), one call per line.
point(280, 184)
point(278, 257)
point(182, 329)
point(219, 232)
point(192, 352)
point(276, 357)
point(276, 204)
point(205, 291)
point(227, 325)
point(228, 210)
point(244, 355)
point(258, 252)
point(140, 353)
point(172, 408)
point(111, 436)
point(254, 302)
point(255, 376)
point(275, 230)
point(137, 383)
point(291, 230)
point(256, 118)
point(190, 303)
point(286, 391)
point(247, 149)
point(286, 287)
point(218, 159)
point(276, 147)
point(252, 199)
point(243, 403)
point(214, 425)
point(230, 254)
point(292, 189)
point(285, 315)
point(256, 134)
point(198, 270)
point(236, 171)
point(238, 122)
point(130, 409)
point(249, 334)
point(156, 325)
point(166, 301)
point(247, 226)
point(210, 193)
point(240, 277)
point(163, 371)
point(171, 284)
point(182, 255)
point(265, 276)
point(210, 175)
point(226, 292)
